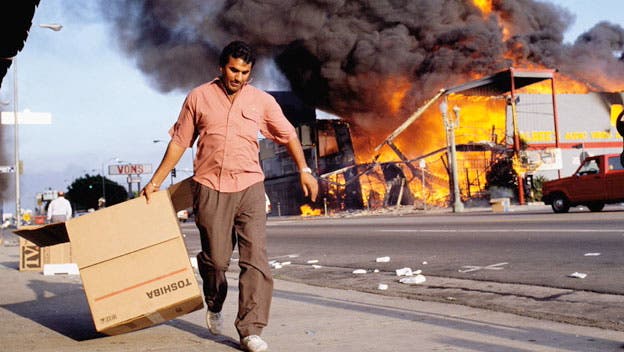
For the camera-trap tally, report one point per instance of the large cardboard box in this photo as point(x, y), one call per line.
point(33, 257)
point(133, 263)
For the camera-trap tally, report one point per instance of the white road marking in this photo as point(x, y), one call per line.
point(470, 268)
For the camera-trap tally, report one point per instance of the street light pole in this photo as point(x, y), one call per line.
point(450, 124)
point(18, 205)
point(458, 206)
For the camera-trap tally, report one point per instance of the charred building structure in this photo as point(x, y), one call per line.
point(327, 147)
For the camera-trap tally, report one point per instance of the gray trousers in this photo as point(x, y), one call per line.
point(58, 218)
point(225, 220)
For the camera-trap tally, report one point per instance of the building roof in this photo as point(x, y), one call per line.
point(501, 82)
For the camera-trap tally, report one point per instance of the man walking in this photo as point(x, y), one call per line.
point(225, 116)
point(59, 210)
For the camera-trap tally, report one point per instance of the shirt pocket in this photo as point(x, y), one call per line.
point(250, 122)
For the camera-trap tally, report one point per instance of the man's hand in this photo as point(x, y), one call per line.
point(148, 190)
point(309, 185)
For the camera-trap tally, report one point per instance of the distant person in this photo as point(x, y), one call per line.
point(60, 209)
point(225, 115)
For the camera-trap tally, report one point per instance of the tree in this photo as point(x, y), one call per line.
point(85, 191)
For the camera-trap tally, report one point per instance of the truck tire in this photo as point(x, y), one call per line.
point(595, 207)
point(560, 203)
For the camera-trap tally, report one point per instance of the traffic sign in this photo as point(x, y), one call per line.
point(5, 169)
point(129, 169)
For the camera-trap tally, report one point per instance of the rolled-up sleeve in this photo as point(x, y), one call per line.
point(276, 126)
point(183, 131)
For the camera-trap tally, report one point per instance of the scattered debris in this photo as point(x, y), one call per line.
point(449, 298)
point(317, 266)
point(407, 272)
point(376, 270)
point(413, 280)
point(310, 332)
point(383, 260)
point(277, 265)
point(592, 254)
point(359, 271)
point(382, 287)
point(312, 261)
point(425, 262)
point(404, 272)
point(578, 275)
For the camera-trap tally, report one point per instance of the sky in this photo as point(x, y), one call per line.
point(104, 109)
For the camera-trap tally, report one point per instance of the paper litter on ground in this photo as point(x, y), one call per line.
point(412, 280)
point(404, 272)
point(578, 275)
point(407, 272)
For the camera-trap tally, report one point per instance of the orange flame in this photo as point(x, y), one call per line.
point(395, 89)
point(481, 120)
point(307, 210)
point(484, 5)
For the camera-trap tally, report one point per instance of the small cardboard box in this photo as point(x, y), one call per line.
point(500, 205)
point(33, 257)
point(133, 263)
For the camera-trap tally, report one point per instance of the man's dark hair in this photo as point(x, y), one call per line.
point(237, 50)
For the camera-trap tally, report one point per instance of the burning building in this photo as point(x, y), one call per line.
point(505, 115)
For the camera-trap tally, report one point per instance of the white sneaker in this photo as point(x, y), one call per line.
point(253, 343)
point(214, 322)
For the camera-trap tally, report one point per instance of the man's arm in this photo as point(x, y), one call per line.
point(169, 161)
point(308, 181)
point(68, 211)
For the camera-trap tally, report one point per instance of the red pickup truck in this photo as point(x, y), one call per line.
point(598, 181)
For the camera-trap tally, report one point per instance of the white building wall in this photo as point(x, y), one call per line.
point(583, 119)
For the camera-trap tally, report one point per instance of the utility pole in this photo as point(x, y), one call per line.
point(18, 206)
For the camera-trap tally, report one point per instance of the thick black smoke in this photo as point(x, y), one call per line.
point(343, 56)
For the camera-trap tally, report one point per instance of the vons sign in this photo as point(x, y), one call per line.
point(129, 169)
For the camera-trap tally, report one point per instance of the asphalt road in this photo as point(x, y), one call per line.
point(525, 262)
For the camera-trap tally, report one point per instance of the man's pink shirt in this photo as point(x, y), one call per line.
point(227, 157)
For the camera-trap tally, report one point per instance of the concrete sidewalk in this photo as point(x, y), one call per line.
point(50, 313)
